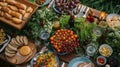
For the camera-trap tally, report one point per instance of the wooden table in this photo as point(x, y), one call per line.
point(96, 14)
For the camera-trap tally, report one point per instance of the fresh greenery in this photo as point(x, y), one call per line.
point(84, 29)
point(113, 39)
point(64, 19)
point(109, 6)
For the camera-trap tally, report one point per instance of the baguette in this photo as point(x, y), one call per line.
point(1, 13)
point(26, 16)
point(13, 8)
point(16, 20)
point(7, 16)
point(16, 46)
point(6, 9)
point(0, 7)
point(12, 2)
point(3, 4)
point(16, 14)
point(22, 11)
point(29, 10)
point(2, 0)
point(21, 6)
point(12, 48)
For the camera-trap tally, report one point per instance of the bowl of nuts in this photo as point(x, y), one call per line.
point(105, 50)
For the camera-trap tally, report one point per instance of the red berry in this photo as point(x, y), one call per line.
point(42, 24)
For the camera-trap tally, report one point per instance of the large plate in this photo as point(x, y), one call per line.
point(37, 55)
point(5, 43)
point(78, 60)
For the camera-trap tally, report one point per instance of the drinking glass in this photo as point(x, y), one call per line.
point(91, 49)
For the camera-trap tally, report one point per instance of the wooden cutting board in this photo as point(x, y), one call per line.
point(19, 59)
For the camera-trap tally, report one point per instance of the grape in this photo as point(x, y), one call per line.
point(66, 6)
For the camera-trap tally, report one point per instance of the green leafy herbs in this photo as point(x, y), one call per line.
point(113, 39)
point(64, 19)
point(84, 29)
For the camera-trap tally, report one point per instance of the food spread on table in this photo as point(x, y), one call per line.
point(71, 33)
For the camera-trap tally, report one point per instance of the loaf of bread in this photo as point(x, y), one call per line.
point(6, 9)
point(12, 2)
point(13, 8)
point(29, 10)
point(3, 4)
point(26, 16)
point(16, 14)
point(16, 20)
point(22, 11)
point(1, 13)
point(2, 0)
point(7, 16)
point(21, 6)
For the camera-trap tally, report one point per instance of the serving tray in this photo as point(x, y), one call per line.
point(20, 26)
point(19, 59)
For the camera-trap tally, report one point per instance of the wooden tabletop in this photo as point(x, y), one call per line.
point(2, 56)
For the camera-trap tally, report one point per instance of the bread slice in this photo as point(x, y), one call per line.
point(18, 39)
point(25, 40)
point(10, 51)
point(15, 42)
point(21, 39)
point(8, 54)
point(14, 45)
point(12, 48)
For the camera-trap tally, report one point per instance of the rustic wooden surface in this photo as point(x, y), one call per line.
point(65, 59)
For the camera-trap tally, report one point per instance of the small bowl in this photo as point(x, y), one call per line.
point(45, 3)
point(106, 49)
point(109, 16)
point(104, 59)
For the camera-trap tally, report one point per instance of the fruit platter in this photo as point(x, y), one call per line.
point(59, 33)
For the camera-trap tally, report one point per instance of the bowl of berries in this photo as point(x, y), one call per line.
point(64, 41)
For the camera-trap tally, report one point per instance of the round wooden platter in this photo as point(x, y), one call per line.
point(19, 59)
